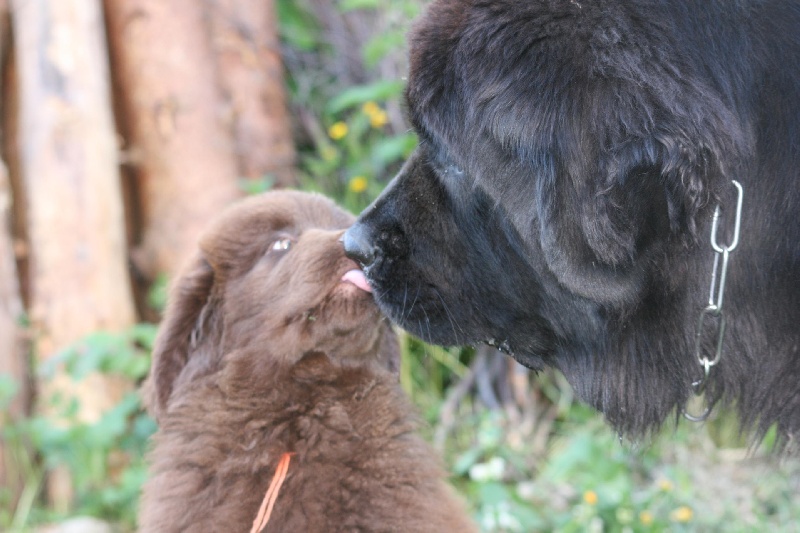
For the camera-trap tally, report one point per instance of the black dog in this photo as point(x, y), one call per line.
point(560, 204)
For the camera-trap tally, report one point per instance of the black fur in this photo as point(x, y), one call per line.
point(560, 202)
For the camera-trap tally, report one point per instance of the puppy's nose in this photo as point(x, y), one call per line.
point(358, 244)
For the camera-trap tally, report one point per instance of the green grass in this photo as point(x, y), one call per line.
point(558, 468)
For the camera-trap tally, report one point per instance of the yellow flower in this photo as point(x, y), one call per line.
point(370, 108)
point(665, 485)
point(377, 116)
point(378, 119)
point(337, 131)
point(590, 497)
point(682, 514)
point(358, 184)
point(646, 518)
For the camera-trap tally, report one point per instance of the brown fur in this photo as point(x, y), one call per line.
point(264, 352)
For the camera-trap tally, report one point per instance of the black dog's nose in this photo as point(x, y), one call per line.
point(358, 244)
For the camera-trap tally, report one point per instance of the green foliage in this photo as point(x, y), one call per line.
point(104, 457)
point(427, 372)
point(124, 354)
point(157, 294)
point(361, 94)
point(257, 186)
point(297, 27)
point(352, 162)
point(353, 149)
point(591, 480)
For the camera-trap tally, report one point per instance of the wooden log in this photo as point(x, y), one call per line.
point(78, 274)
point(180, 138)
point(249, 60)
point(13, 346)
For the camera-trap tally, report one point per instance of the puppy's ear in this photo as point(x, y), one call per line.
point(189, 310)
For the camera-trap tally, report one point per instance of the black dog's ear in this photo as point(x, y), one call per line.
point(593, 237)
point(648, 191)
point(623, 197)
point(189, 311)
point(602, 226)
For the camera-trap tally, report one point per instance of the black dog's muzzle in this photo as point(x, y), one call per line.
point(359, 244)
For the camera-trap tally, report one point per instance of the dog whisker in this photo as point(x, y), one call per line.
point(405, 300)
point(413, 302)
point(450, 318)
point(427, 324)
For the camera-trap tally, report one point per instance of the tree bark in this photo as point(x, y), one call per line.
point(13, 352)
point(78, 270)
point(248, 55)
point(13, 361)
point(13, 345)
point(180, 144)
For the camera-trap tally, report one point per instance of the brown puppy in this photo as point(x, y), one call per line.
point(273, 345)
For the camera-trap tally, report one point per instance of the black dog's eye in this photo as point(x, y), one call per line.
point(281, 245)
point(450, 169)
point(454, 171)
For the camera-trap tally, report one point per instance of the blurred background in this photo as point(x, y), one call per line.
point(126, 125)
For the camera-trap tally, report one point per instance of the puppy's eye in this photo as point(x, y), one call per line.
point(281, 245)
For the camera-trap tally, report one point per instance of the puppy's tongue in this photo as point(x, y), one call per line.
point(357, 278)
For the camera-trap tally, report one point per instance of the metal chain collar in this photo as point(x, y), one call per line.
point(715, 300)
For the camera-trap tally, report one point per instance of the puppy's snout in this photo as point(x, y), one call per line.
point(359, 244)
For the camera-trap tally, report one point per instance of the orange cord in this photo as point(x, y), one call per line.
point(268, 503)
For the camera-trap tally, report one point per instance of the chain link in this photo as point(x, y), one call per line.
point(715, 300)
